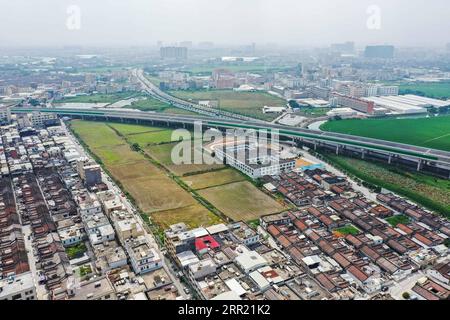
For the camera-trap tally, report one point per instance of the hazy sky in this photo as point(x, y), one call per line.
point(296, 22)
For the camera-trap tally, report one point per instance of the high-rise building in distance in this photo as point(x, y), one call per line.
point(383, 52)
point(178, 53)
point(346, 47)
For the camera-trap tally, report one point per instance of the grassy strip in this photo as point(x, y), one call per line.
point(76, 251)
point(395, 220)
point(348, 229)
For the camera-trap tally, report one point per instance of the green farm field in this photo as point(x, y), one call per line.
point(198, 216)
point(162, 153)
point(439, 90)
point(431, 132)
point(241, 201)
point(128, 129)
point(154, 137)
point(151, 104)
point(245, 103)
point(214, 178)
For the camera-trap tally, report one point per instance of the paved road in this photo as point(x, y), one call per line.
point(130, 208)
point(405, 285)
point(316, 125)
point(41, 290)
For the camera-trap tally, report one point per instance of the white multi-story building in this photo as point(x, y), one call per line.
point(88, 204)
point(71, 236)
point(244, 233)
point(5, 114)
point(142, 256)
point(201, 269)
point(371, 90)
point(387, 91)
point(253, 160)
point(36, 119)
point(19, 287)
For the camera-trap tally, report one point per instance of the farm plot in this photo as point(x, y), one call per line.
point(241, 201)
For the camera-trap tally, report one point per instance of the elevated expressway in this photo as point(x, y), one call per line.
point(160, 95)
point(429, 160)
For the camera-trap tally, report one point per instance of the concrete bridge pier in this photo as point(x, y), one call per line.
point(419, 165)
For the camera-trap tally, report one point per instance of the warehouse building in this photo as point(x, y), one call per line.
point(424, 102)
point(396, 105)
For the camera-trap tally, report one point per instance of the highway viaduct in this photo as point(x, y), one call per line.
point(436, 162)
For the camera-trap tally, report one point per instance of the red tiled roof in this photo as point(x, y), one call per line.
point(326, 247)
point(404, 228)
point(424, 293)
point(313, 236)
point(423, 240)
point(314, 211)
point(343, 262)
point(369, 252)
point(325, 220)
point(273, 230)
point(353, 240)
point(357, 273)
point(296, 255)
point(300, 225)
point(285, 243)
point(413, 214)
point(325, 282)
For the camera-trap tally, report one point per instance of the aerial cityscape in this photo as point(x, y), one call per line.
point(232, 153)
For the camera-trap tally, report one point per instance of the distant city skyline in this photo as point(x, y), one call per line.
point(229, 22)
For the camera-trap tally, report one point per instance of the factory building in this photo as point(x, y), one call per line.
point(358, 104)
point(408, 104)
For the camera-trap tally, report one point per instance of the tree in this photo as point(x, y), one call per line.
point(293, 104)
point(136, 147)
point(406, 295)
point(447, 243)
